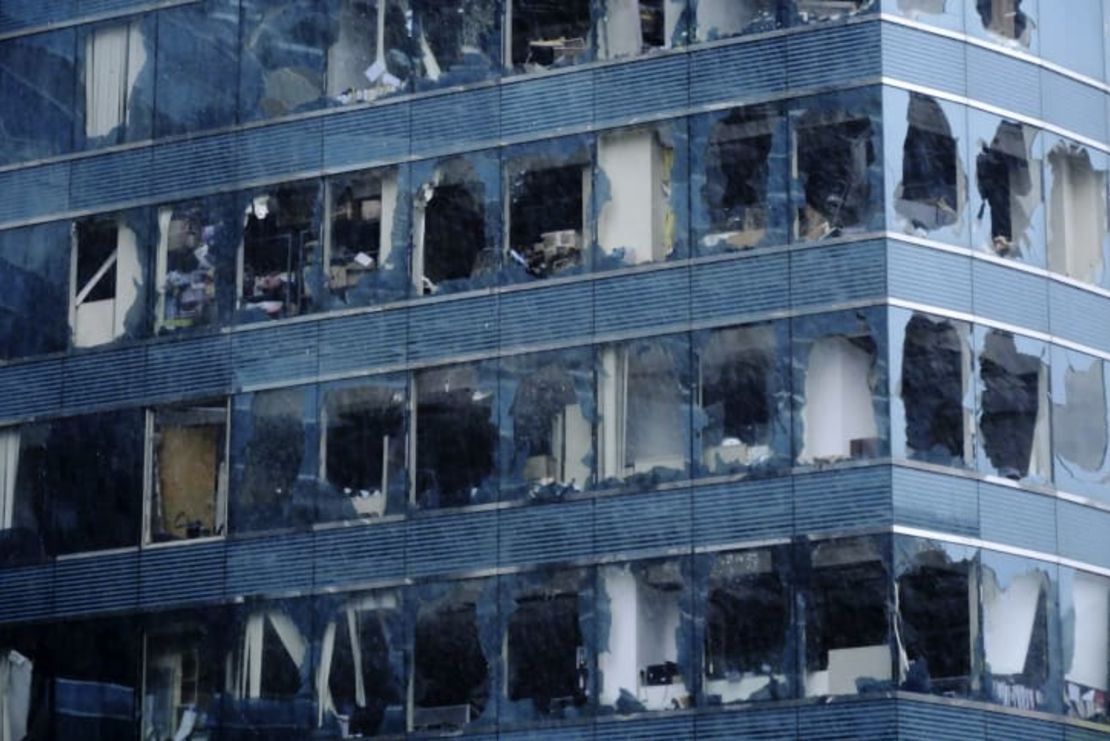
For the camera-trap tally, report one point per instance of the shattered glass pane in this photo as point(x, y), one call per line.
point(1080, 423)
point(194, 274)
point(814, 11)
point(1012, 23)
point(34, 276)
point(37, 82)
point(719, 19)
point(631, 27)
point(1085, 624)
point(115, 97)
point(847, 642)
point(108, 292)
point(947, 14)
point(181, 675)
point(283, 56)
point(1078, 226)
point(457, 41)
point(369, 49)
point(543, 34)
point(747, 600)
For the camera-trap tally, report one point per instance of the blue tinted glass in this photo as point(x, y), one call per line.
point(36, 95)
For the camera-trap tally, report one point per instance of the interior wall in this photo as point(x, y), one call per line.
point(838, 406)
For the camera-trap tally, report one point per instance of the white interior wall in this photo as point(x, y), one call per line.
point(623, 35)
point(618, 665)
point(389, 209)
point(9, 467)
point(1088, 664)
point(351, 54)
point(573, 439)
point(633, 216)
point(612, 387)
point(1008, 617)
point(838, 405)
point(99, 322)
point(1078, 211)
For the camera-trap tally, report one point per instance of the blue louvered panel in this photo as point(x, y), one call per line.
point(103, 378)
point(829, 275)
point(1010, 295)
point(34, 191)
point(360, 553)
point(742, 510)
point(1075, 733)
point(934, 501)
point(873, 720)
point(844, 499)
point(457, 542)
point(737, 71)
point(1008, 83)
point(655, 521)
point(96, 584)
point(1003, 726)
point(1016, 517)
point(194, 165)
point(29, 389)
point(19, 14)
point(546, 533)
point(1079, 316)
point(733, 288)
point(283, 150)
point(923, 58)
point(191, 367)
point(920, 721)
point(279, 353)
point(449, 328)
point(456, 121)
point(362, 342)
point(192, 573)
point(27, 593)
point(544, 315)
point(929, 276)
point(1083, 533)
point(1074, 105)
point(115, 178)
point(560, 732)
point(649, 728)
point(97, 7)
point(547, 104)
point(658, 299)
point(368, 136)
point(756, 724)
point(834, 55)
point(643, 88)
point(271, 565)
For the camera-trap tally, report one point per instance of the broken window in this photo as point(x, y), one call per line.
point(24, 517)
point(933, 402)
point(931, 196)
point(936, 593)
point(193, 272)
point(273, 468)
point(1080, 423)
point(455, 415)
point(548, 644)
point(741, 201)
point(365, 249)
point(456, 643)
point(187, 490)
point(839, 387)
point(455, 230)
point(1006, 20)
point(835, 166)
point(813, 11)
point(1008, 214)
point(35, 275)
point(847, 642)
point(748, 619)
point(284, 50)
point(1013, 405)
point(644, 662)
point(641, 195)
point(368, 56)
point(744, 397)
point(37, 82)
point(942, 13)
point(1016, 594)
point(547, 427)
point(1085, 622)
point(643, 405)
point(457, 41)
point(361, 677)
point(718, 19)
point(1078, 231)
point(362, 448)
point(181, 674)
point(117, 72)
point(548, 208)
point(541, 34)
point(107, 299)
point(631, 27)
point(280, 247)
point(269, 682)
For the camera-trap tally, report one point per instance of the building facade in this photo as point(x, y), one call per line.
point(554, 368)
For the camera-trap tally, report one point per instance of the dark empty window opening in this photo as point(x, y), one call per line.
point(547, 658)
point(546, 219)
point(278, 246)
point(451, 674)
point(833, 161)
point(653, 27)
point(738, 177)
point(96, 251)
point(549, 33)
point(1005, 18)
point(107, 279)
point(929, 195)
point(935, 627)
point(1005, 182)
point(364, 445)
point(737, 396)
point(933, 388)
point(1011, 404)
point(454, 235)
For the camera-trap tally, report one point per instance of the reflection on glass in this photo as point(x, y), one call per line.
point(1015, 597)
point(180, 675)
